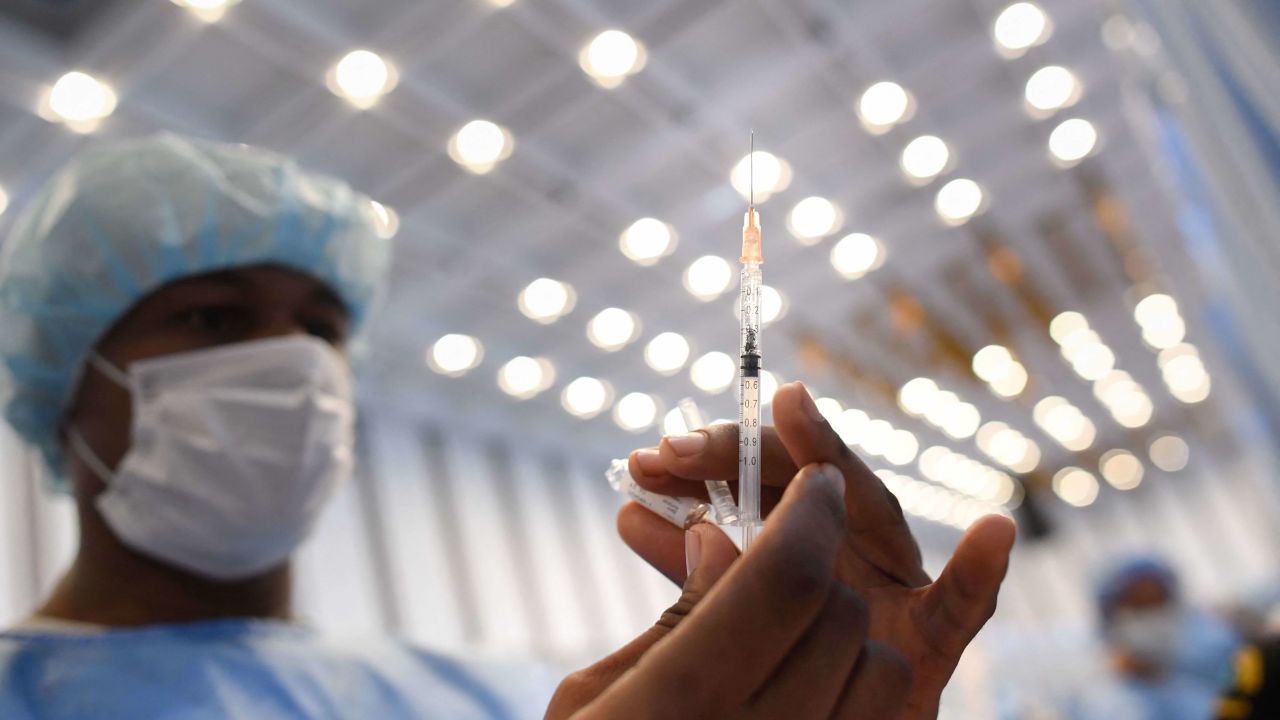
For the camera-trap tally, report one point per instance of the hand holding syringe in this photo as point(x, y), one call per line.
point(683, 512)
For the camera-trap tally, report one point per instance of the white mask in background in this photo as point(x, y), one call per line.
point(234, 452)
point(1151, 636)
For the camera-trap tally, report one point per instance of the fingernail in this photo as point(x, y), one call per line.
point(686, 445)
point(692, 551)
point(832, 478)
point(810, 407)
point(649, 462)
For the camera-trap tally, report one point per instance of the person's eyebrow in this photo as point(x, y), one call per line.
point(227, 278)
point(327, 296)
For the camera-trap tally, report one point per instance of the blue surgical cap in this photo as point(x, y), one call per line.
point(1124, 573)
point(127, 217)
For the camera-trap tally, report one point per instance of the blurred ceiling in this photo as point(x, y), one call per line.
point(588, 161)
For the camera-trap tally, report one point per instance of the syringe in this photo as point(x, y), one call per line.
point(718, 490)
point(683, 512)
point(749, 386)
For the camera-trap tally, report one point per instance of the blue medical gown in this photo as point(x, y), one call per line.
point(250, 669)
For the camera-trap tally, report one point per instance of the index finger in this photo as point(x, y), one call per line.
point(757, 612)
point(877, 526)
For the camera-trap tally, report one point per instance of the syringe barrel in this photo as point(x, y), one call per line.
point(749, 403)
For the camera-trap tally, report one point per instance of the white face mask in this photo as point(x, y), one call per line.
point(235, 451)
point(1148, 635)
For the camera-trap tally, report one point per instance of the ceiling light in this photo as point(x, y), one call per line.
point(1011, 384)
point(770, 173)
point(546, 300)
point(1169, 453)
point(830, 408)
point(856, 255)
point(209, 11)
point(673, 423)
point(1052, 88)
point(1075, 486)
point(1065, 423)
point(884, 105)
point(902, 448)
point(1165, 334)
point(772, 304)
point(1066, 324)
point(611, 57)
point(917, 396)
point(1092, 361)
point(936, 411)
point(386, 223)
point(713, 372)
point(1162, 325)
point(1021, 26)
point(925, 158)
point(667, 353)
point(361, 77)
point(612, 328)
point(454, 355)
point(708, 277)
point(813, 218)
point(1008, 447)
point(961, 420)
point(958, 201)
point(1133, 411)
point(585, 397)
point(523, 377)
point(1030, 459)
point(647, 241)
point(480, 145)
point(876, 435)
point(768, 387)
point(1072, 141)
point(992, 362)
point(1155, 309)
point(1193, 394)
point(934, 462)
point(78, 100)
point(1125, 399)
point(635, 412)
point(1184, 373)
point(1121, 468)
point(850, 425)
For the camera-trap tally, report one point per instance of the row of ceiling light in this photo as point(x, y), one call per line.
point(647, 240)
point(362, 77)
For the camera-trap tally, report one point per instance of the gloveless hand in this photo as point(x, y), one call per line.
point(930, 622)
point(771, 635)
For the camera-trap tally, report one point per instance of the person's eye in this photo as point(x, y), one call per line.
point(327, 330)
point(213, 319)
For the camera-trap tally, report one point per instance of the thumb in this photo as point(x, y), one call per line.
point(708, 554)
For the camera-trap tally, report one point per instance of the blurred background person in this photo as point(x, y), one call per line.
point(1169, 659)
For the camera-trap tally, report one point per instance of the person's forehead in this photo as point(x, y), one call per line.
point(274, 278)
point(1144, 589)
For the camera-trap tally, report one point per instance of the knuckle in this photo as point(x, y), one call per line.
point(845, 453)
point(672, 616)
point(889, 664)
point(576, 682)
point(848, 608)
point(799, 577)
point(829, 505)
